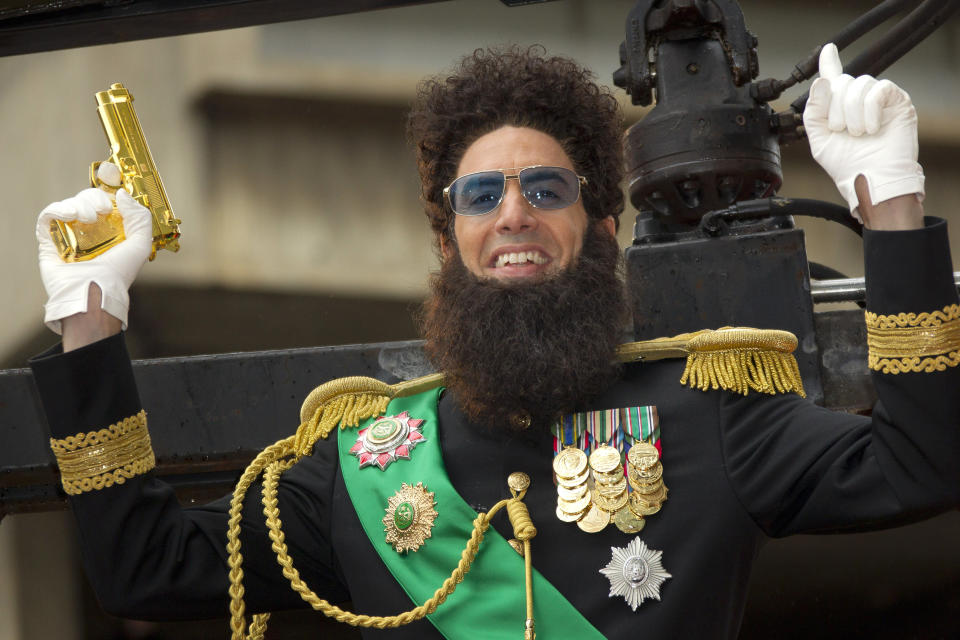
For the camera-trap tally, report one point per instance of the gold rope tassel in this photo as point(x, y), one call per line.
point(741, 360)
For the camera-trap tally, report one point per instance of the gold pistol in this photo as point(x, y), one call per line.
point(77, 241)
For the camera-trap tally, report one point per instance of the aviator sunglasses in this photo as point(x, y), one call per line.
point(475, 194)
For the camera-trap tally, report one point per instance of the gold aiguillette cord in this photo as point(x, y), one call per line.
point(270, 463)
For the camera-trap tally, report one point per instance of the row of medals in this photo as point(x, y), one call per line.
point(593, 491)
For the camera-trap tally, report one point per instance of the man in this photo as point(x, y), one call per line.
point(520, 161)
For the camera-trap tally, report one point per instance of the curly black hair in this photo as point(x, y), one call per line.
point(521, 87)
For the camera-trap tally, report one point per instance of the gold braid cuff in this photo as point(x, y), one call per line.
point(910, 342)
point(97, 459)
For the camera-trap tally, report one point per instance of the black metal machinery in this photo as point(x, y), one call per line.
point(712, 245)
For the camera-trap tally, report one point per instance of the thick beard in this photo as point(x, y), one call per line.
point(541, 349)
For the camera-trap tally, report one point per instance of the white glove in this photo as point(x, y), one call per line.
point(67, 284)
point(862, 126)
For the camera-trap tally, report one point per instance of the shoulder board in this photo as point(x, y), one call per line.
point(738, 359)
point(347, 401)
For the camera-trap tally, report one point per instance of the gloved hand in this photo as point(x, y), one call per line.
point(67, 284)
point(862, 126)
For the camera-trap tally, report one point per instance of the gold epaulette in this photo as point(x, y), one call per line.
point(737, 359)
point(347, 401)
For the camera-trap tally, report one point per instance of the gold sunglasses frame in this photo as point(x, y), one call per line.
point(581, 182)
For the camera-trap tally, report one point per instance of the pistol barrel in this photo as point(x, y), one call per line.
point(130, 152)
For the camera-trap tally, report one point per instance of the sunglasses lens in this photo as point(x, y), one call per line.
point(477, 193)
point(550, 187)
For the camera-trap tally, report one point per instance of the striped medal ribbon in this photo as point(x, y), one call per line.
point(642, 424)
point(618, 428)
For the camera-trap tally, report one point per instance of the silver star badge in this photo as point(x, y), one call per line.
point(635, 572)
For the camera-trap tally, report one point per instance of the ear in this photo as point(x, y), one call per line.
point(609, 224)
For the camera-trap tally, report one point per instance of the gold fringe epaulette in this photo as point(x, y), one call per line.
point(738, 359)
point(347, 401)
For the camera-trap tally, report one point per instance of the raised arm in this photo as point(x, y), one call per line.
point(799, 468)
point(145, 556)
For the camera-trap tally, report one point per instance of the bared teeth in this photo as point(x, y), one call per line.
point(522, 257)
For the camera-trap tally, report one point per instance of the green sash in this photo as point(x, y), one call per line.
point(491, 600)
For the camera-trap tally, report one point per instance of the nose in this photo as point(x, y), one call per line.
point(515, 214)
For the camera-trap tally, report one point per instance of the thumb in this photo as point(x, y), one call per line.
point(817, 111)
point(830, 66)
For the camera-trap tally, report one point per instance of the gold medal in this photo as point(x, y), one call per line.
point(570, 463)
point(575, 481)
point(572, 495)
point(609, 478)
point(642, 511)
point(410, 516)
point(657, 493)
point(611, 504)
point(645, 476)
point(643, 503)
point(644, 487)
point(563, 516)
point(604, 459)
point(643, 455)
point(595, 520)
point(628, 522)
point(575, 506)
point(612, 489)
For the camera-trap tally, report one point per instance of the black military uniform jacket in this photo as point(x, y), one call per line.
point(740, 469)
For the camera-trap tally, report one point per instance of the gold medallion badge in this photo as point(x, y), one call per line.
point(410, 516)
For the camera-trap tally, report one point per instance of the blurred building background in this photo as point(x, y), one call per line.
point(282, 149)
